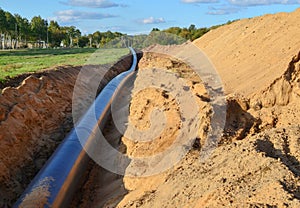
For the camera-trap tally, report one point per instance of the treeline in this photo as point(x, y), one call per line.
point(191, 33)
point(173, 35)
point(18, 32)
point(142, 41)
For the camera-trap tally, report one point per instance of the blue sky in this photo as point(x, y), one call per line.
point(140, 16)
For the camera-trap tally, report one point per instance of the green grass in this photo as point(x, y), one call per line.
point(15, 62)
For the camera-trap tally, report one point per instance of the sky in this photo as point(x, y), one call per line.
point(140, 16)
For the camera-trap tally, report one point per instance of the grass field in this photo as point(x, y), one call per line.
point(15, 62)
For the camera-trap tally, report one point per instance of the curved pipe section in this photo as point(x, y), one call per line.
point(55, 184)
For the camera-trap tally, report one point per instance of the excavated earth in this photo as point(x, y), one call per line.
point(35, 116)
point(257, 161)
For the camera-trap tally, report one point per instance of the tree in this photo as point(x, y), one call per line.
point(192, 28)
point(11, 24)
point(23, 30)
point(15, 29)
point(174, 30)
point(97, 38)
point(90, 37)
point(39, 28)
point(83, 41)
point(77, 35)
point(70, 34)
point(56, 34)
point(190, 33)
point(185, 33)
point(3, 26)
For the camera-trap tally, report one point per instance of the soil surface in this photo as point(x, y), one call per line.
point(35, 116)
point(251, 53)
point(256, 162)
point(257, 159)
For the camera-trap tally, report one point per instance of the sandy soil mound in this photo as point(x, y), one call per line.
point(103, 188)
point(145, 101)
point(251, 53)
point(255, 165)
point(257, 162)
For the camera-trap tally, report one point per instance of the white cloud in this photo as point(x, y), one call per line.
point(225, 10)
point(73, 16)
point(261, 2)
point(199, 1)
point(244, 3)
point(234, 6)
point(92, 3)
point(152, 20)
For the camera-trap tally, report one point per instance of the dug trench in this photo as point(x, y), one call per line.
point(256, 163)
point(105, 189)
point(257, 126)
point(35, 116)
point(102, 188)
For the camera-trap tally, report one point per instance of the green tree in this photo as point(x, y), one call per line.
point(71, 34)
point(173, 30)
point(192, 28)
point(11, 30)
point(3, 26)
point(96, 39)
point(83, 41)
point(90, 37)
point(23, 30)
point(39, 29)
point(77, 35)
point(56, 34)
point(185, 33)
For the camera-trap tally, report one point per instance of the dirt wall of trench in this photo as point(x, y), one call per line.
point(35, 116)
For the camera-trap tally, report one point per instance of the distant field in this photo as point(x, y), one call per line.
point(17, 62)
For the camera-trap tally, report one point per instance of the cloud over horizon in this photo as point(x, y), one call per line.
point(199, 1)
point(152, 20)
point(92, 3)
point(261, 2)
point(67, 16)
point(244, 2)
point(224, 10)
point(226, 7)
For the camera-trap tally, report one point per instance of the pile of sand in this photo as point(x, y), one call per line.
point(257, 161)
point(251, 53)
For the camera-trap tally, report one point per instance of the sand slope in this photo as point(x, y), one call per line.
point(257, 161)
point(251, 53)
